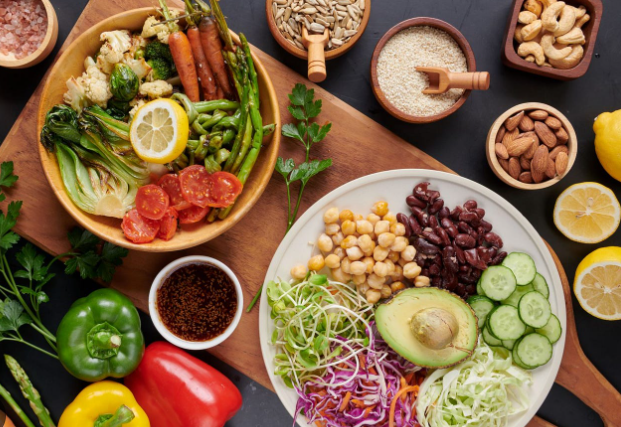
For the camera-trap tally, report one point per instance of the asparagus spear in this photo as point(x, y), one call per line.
point(13, 404)
point(29, 392)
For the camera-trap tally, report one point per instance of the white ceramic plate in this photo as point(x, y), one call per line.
point(393, 186)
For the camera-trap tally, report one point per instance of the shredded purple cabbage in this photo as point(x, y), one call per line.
point(376, 390)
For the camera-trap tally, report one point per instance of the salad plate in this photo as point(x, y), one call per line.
point(393, 187)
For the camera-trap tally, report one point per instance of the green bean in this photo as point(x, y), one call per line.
point(228, 136)
point(217, 104)
point(268, 129)
point(188, 105)
point(215, 143)
point(242, 141)
point(208, 121)
point(221, 155)
point(201, 151)
point(228, 121)
point(211, 165)
point(192, 144)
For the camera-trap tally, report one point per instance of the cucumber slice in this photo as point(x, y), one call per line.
point(520, 291)
point(534, 350)
point(481, 305)
point(540, 285)
point(504, 322)
point(490, 339)
point(508, 344)
point(516, 357)
point(522, 266)
point(552, 330)
point(535, 309)
point(479, 288)
point(498, 282)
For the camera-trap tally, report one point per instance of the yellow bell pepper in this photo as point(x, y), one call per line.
point(105, 398)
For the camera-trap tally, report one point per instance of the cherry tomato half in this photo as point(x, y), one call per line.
point(138, 229)
point(225, 188)
point(168, 225)
point(196, 185)
point(170, 184)
point(192, 215)
point(152, 201)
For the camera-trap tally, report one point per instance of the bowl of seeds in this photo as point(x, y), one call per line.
point(419, 42)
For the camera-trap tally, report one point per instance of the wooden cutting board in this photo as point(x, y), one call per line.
point(358, 145)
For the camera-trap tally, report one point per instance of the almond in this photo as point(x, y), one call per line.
point(500, 135)
point(526, 177)
point(519, 146)
point(514, 168)
point(553, 123)
point(510, 136)
point(524, 162)
point(531, 151)
point(537, 176)
point(545, 134)
point(557, 150)
point(526, 124)
point(513, 121)
point(562, 160)
point(501, 152)
point(562, 136)
point(540, 160)
point(550, 169)
point(538, 115)
point(504, 164)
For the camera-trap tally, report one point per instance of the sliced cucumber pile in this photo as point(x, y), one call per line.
point(514, 311)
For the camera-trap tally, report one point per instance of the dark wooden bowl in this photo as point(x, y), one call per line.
point(511, 59)
point(303, 53)
point(431, 22)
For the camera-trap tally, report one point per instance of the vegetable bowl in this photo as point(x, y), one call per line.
point(71, 63)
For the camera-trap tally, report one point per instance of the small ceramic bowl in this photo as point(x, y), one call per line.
point(46, 47)
point(159, 280)
point(430, 22)
point(492, 159)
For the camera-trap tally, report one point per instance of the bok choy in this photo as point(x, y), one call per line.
point(100, 171)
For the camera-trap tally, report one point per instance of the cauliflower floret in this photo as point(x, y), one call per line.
point(138, 42)
point(136, 104)
point(156, 89)
point(116, 43)
point(95, 83)
point(75, 95)
point(161, 31)
point(138, 66)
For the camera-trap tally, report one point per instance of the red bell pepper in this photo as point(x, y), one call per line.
point(179, 390)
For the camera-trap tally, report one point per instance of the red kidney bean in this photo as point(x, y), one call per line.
point(471, 204)
point(486, 225)
point(475, 235)
point(464, 228)
point(449, 259)
point(434, 270)
point(470, 218)
point(460, 289)
point(413, 201)
point(432, 196)
point(465, 241)
point(459, 253)
point(499, 258)
point(420, 191)
point(471, 289)
point(432, 237)
point(480, 212)
point(485, 255)
point(449, 280)
point(437, 260)
point(419, 259)
point(425, 247)
point(414, 226)
point(476, 273)
point(436, 281)
point(456, 212)
point(450, 227)
point(467, 278)
point(444, 212)
point(436, 207)
point(493, 239)
point(433, 221)
point(446, 240)
point(424, 272)
point(472, 258)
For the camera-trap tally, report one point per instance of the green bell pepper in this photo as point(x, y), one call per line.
point(100, 337)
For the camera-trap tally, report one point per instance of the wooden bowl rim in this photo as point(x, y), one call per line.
point(415, 22)
point(572, 145)
point(48, 161)
point(303, 53)
point(512, 59)
point(44, 49)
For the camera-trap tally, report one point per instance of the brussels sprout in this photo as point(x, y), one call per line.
point(118, 109)
point(124, 83)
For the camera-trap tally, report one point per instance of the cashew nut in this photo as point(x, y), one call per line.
point(579, 11)
point(547, 3)
point(530, 58)
point(532, 48)
point(517, 36)
point(575, 36)
point(526, 17)
point(534, 6)
point(547, 43)
point(550, 16)
point(567, 21)
point(581, 21)
point(532, 30)
point(571, 60)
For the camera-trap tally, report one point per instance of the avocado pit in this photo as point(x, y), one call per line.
point(435, 328)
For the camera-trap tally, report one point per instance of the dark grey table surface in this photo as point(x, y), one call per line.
point(457, 141)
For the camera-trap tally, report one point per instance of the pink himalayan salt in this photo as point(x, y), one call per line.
point(23, 24)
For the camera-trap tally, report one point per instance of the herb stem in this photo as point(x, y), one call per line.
point(297, 207)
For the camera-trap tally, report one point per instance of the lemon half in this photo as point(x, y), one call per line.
point(597, 285)
point(159, 131)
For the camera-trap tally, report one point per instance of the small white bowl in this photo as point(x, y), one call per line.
point(155, 317)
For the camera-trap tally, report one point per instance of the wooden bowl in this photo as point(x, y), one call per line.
point(511, 59)
point(71, 63)
point(303, 53)
point(431, 22)
point(46, 47)
point(572, 145)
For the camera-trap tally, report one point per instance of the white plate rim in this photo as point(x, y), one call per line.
point(426, 174)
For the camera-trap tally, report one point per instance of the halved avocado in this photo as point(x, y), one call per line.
point(430, 327)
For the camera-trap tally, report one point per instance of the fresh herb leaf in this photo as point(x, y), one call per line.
point(291, 131)
point(298, 95)
point(111, 257)
point(297, 112)
point(284, 167)
point(82, 240)
point(317, 133)
point(40, 295)
point(7, 222)
point(7, 178)
point(32, 263)
point(314, 167)
point(312, 108)
point(13, 316)
point(92, 261)
point(85, 262)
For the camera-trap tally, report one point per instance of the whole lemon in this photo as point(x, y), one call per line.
point(607, 129)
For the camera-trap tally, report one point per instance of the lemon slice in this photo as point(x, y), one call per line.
point(159, 131)
point(598, 283)
point(587, 212)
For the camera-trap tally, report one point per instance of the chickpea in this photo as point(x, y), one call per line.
point(422, 282)
point(390, 217)
point(375, 281)
point(366, 244)
point(373, 296)
point(396, 275)
point(402, 262)
point(386, 240)
point(397, 286)
point(357, 268)
point(299, 272)
point(348, 227)
point(339, 252)
point(380, 208)
point(316, 263)
point(411, 270)
point(331, 216)
point(400, 244)
point(393, 256)
point(349, 242)
point(380, 269)
point(373, 219)
point(345, 265)
point(346, 215)
point(397, 229)
point(332, 229)
point(382, 227)
point(408, 253)
point(324, 243)
point(369, 262)
point(386, 291)
point(363, 288)
point(390, 265)
point(380, 253)
point(354, 253)
point(337, 239)
point(340, 276)
point(359, 279)
point(364, 227)
point(358, 217)
point(333, 261)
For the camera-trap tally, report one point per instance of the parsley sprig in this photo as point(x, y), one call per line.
point(23, 290)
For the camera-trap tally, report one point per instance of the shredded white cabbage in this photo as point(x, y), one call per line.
point(481, 392)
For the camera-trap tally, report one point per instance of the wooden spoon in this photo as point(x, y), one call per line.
point(441, 80)
point(316, 44)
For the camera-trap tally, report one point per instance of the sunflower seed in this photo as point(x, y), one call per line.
point(274, 9)
point(287, 14)
point(280, 1)
point(337, 42)
point(280, 13)
point(350, 33)
point(299, 44)
point(320, 21)
point(308, 10)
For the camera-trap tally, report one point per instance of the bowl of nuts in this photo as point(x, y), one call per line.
point(531, 146)
point(552, 38)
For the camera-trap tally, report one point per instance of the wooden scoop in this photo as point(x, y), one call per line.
point(315, 44)
point(441, 80)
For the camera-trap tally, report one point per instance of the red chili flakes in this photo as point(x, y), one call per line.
point(23, 25)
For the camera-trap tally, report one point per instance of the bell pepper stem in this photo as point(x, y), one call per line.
point(106, 340)
point(123, 415)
